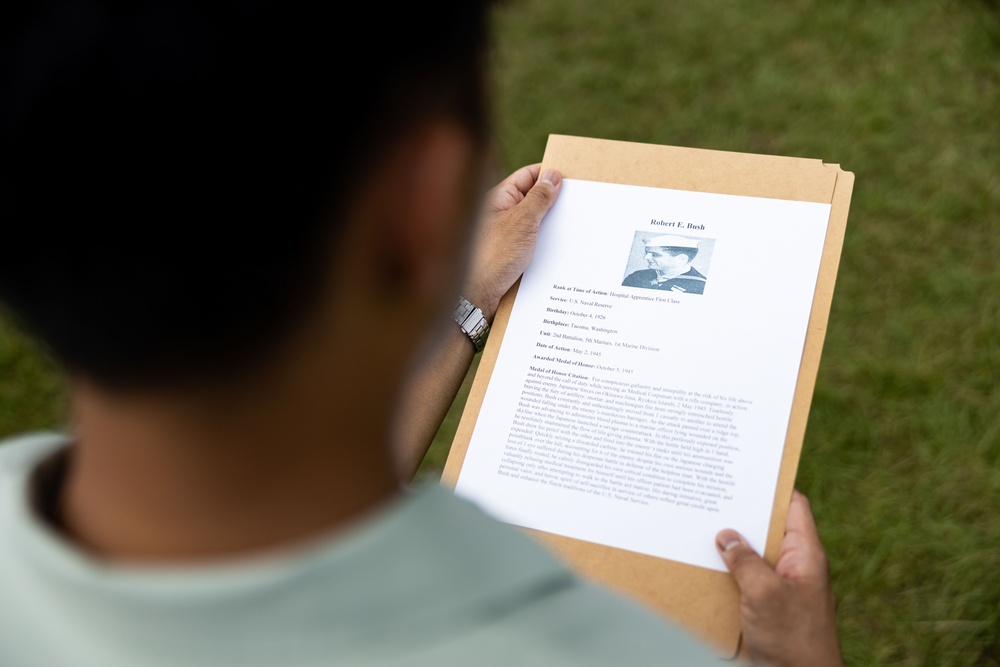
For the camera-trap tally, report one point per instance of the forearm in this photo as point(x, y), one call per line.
point(501, 251)
point(428, 396)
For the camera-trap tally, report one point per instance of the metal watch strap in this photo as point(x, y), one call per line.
point(473, 323)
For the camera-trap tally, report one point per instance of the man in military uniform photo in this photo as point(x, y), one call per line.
point(669, 259)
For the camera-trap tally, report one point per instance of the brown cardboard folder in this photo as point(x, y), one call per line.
point(702, 600)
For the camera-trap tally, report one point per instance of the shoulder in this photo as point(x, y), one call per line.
point(427, 582)
point(19, 455)
point(691, 282)
point(693, 273)
point(547, 615)
point(639, 278)
point(583, 625)
point(23, 547)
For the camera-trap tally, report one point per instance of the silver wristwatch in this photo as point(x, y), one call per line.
point(471, 320)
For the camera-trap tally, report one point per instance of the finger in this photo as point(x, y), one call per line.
point(747, 567)
point(540, 198)
point(524, 178)
point(802, 554)
point(800, 519)
point(511, 190)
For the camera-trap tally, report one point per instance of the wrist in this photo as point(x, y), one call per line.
point(473, 323)
point(485, 302)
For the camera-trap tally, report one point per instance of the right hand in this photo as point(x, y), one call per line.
point(788, 613)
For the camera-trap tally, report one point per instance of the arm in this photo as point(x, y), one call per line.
point(788, 613)
point(504, 243)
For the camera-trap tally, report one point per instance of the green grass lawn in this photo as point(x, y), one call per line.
point(902, 453)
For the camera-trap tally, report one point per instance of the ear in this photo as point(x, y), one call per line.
point(423, 210)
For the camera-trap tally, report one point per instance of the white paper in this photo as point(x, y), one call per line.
point(640, 418)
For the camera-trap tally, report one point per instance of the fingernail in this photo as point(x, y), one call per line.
point(727, 539)
point(551, 176)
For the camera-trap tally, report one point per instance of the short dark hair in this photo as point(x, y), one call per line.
point(170, 171)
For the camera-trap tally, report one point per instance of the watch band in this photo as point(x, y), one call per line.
point(473, 323)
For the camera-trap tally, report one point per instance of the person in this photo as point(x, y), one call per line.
point(669, 259)
point(248, 279)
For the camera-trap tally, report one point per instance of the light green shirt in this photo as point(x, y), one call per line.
point(429, 580)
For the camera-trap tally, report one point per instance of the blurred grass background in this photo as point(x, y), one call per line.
point(902, 453)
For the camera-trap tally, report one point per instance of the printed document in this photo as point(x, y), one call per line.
point(644, 384)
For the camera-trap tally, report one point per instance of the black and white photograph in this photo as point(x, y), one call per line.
point(670, 262)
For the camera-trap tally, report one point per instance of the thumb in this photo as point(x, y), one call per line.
point(747, 567)
point(542, 195)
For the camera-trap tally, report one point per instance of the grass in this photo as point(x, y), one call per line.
point(32, 392)
point(902, 453)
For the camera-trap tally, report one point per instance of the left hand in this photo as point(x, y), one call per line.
point(508, 229)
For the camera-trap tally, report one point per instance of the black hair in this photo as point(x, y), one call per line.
point(171, 172)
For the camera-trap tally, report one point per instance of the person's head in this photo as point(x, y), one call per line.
point(670, 253)
point(180, 180)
